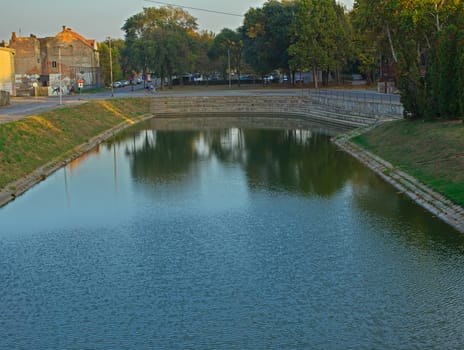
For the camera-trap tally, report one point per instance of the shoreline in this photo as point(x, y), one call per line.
point(434, 202)
point(17, 188)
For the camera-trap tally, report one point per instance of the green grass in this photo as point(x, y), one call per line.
point(27, 144)
point(432, 152)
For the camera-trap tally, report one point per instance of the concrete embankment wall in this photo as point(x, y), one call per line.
point(4, 98)
point(275, 105)
point(374, 107)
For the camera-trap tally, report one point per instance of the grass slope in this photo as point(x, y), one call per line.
point(431, 152)
point(32, 142)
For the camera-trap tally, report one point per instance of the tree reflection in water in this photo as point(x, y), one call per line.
point(296, 160)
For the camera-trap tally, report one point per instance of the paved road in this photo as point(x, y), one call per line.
point(21, 107)
point(24, 106)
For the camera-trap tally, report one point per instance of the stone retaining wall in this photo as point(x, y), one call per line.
point(362, 106)
point(302, 106)
point(4, 98)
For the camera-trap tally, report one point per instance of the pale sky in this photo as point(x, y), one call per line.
point(98, 19)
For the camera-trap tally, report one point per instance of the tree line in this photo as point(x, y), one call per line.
point(422, 41)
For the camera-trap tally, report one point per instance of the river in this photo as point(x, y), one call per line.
point(225, 238)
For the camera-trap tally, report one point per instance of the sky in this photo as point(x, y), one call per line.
point(99, 19)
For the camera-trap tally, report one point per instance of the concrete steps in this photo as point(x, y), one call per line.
point(283, 106)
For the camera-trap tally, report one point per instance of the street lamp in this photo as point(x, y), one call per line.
point(111, 67)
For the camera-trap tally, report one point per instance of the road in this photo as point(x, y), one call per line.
point(22, 107)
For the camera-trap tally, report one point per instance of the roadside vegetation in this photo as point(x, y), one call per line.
point(416, 45)
point(432, 152)
point(27, 144)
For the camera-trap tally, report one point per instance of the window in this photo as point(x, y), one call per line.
point(54, 64)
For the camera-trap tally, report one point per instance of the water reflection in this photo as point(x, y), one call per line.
point(288, 160)
point(225, 238)
point(297, 160)
point(413, 223)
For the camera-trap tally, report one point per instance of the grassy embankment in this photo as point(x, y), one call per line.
point(52, 136)
point(431, 152)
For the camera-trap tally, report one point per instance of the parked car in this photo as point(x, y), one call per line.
point(117, 84)
point(357, 79)
point(248, 77)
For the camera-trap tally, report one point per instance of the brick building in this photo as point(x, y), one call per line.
point(42, 61)
point(7, 72)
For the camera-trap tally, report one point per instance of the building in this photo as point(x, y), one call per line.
point(43, 61)
point(7, 70)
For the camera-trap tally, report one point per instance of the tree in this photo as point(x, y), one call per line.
point(104, 52)
point(315, 36)
point(159, 40)
point(266, 36)
point(228, 44)
point(343, 39)
point(460, 73)
point(445, 76)
point(202, 43)
point(414, 30)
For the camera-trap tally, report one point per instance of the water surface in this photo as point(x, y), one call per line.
point(225, 239)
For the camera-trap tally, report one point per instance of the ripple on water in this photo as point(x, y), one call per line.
point(261, 263)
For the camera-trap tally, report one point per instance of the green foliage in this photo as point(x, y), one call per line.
point(104, 51)
point(227, 42)
point(432, 90)
point(445, 76)
point(446, 53)
point(413, 29)
point(200, 47)
point(160, 40)
point(319, 30)
point(460, 74)
point(410, 83)
point(266, 36)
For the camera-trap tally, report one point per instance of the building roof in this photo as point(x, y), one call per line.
point(68, 35)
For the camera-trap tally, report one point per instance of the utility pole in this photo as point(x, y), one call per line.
point(228, 60)
point(111, 67)
point(59, 70)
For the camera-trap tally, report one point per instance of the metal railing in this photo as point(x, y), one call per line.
point(357, 95)
point(361, 102)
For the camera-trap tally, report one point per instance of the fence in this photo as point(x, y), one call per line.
point(361, 102)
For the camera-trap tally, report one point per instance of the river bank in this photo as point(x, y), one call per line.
point(422, 160)
point(33, 148)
